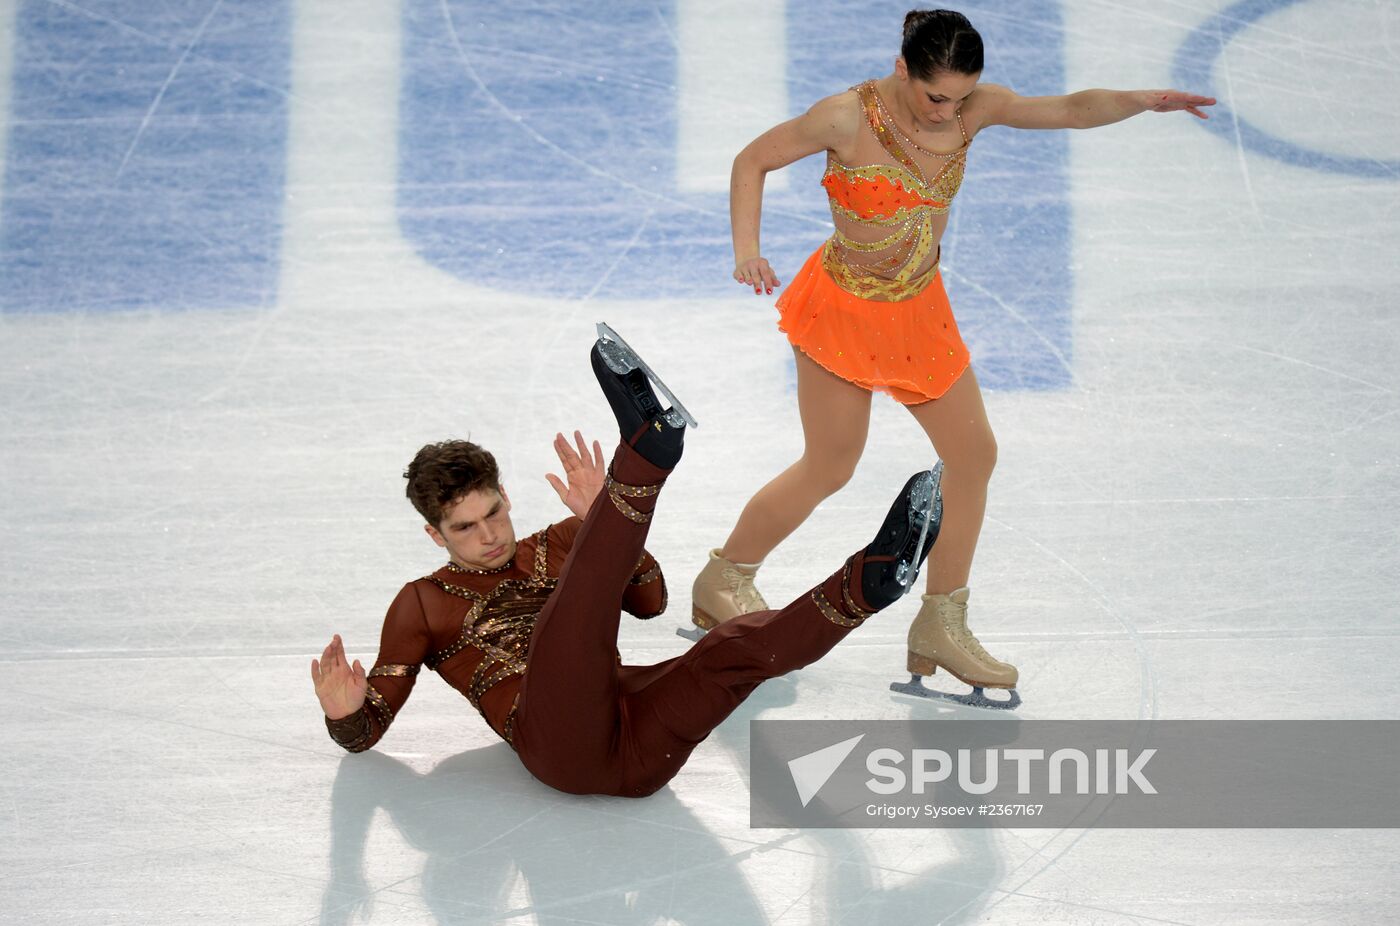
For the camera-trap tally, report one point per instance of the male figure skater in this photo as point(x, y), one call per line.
point(527, 629)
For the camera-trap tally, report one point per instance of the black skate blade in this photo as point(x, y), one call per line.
point(978, 697)
point(619, 357)
point(927, 503)
point(693, 634)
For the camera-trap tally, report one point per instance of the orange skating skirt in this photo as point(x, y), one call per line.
point(910, 349)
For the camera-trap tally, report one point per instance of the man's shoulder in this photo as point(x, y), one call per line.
point(428, 591)
point(439, 596)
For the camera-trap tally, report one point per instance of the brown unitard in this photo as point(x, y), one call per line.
point(533, 645)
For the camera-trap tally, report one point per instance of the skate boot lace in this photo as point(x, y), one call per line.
point(741, 584)
point(955, 620)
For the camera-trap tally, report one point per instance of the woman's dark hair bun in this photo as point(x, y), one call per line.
point(940, 40)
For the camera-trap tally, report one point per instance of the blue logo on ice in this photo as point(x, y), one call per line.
point(146, 154)
point(812, 771)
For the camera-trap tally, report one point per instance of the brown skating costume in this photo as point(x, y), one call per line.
point(533, 646)
point(473, 628)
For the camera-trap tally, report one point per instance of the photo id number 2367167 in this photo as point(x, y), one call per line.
point(935, 811)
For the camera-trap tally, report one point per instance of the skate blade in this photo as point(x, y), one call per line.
point(927, 502)
point(619, 357)
point(978, 697)
point(693, 634)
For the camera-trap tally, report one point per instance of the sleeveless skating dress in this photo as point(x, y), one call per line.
point(873, 311)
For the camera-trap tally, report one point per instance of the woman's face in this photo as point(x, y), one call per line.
point(935, 101)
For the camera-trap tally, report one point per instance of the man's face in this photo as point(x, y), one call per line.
point(476, 530)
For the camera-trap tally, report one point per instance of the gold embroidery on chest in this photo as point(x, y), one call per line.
point(499, 623)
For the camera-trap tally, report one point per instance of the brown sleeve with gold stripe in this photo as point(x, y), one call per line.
point(403, 645)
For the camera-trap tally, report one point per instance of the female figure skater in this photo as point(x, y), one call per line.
point(868, 311)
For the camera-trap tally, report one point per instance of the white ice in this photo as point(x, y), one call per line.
point(1200, 524)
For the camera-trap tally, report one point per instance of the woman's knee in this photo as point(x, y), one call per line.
point(827, 473)
point(975, 455)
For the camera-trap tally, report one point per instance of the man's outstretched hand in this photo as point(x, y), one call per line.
point(339, 685)
point(584, 472)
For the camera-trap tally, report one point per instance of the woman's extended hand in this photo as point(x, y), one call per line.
point(755, 272)
point(1170, 101)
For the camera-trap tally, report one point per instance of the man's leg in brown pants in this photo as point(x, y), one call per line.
point(583, 728)
point(672, 707)
point(676, 706)
point(569, 714)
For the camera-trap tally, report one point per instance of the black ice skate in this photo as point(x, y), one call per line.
point(893, 558)
point(657, 434)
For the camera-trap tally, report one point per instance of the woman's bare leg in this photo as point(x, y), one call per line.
point(962, 437)
point(835, 421)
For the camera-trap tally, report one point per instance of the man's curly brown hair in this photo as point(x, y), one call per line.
point(444, 472)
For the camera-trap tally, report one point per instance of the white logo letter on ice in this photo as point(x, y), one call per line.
point(813, 770)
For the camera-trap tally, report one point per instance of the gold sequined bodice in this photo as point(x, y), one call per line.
point(498, 624)
point(887, 213)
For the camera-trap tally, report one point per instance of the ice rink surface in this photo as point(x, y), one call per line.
point(253, 254)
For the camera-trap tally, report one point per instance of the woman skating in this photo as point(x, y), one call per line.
point(868, 312)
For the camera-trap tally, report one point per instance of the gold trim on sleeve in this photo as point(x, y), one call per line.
point(376, 701)
point(393, 670)
point(352, 732)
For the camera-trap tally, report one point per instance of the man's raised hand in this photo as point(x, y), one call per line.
point(585, 473)
point(340, 687)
